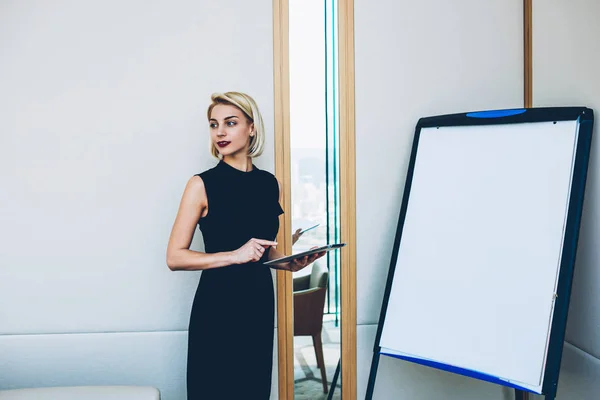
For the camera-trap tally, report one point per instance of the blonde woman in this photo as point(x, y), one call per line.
point(236, 206)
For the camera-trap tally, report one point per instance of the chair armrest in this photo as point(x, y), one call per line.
point(301, 283)
point(305, 292)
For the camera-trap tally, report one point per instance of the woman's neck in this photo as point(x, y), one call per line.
point(243, 163)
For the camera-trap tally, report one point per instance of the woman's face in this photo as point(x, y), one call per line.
point(229, 130)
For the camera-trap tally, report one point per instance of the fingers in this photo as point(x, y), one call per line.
point(299, 263)
point(263, 242)
point(316, 256)
point(254, 250)
point(258, 251)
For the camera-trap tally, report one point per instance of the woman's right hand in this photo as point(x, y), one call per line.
point(252, 251)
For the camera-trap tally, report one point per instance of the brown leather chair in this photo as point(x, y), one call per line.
point(309, 302)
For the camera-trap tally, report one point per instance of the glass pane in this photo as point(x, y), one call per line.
point(315, 194)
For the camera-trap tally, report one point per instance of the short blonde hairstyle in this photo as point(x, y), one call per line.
point(248, 107)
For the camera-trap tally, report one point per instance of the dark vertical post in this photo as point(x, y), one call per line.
point(334, 381)
point(372, 376)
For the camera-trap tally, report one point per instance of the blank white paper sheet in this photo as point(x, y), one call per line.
point(481, 248)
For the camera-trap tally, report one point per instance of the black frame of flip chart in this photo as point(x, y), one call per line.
point(585, 116)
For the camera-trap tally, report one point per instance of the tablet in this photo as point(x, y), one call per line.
point(285, 259)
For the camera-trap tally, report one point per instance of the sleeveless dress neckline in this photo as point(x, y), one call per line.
point(230, 169)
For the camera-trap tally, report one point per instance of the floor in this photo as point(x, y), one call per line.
point(307, 377)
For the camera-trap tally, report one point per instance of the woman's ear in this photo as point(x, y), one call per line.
point(252, 133)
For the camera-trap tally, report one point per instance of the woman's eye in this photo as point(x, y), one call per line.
point(230, 123)
point(213, 125)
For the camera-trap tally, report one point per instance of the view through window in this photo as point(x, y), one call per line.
point(314, 140)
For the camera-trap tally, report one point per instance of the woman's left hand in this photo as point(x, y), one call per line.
point(299, 263)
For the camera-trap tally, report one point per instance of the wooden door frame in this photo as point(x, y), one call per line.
point(285, 331)
point(527, 54)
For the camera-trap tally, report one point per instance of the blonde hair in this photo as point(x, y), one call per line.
point(246, 105)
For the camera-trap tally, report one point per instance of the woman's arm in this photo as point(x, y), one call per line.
point(193, 205)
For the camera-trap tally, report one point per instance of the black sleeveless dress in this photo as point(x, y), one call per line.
point(230, 339)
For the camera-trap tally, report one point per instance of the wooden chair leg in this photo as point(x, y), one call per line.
point(320, 360)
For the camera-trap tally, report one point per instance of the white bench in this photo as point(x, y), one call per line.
point(83, 393)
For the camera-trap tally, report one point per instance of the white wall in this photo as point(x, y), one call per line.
point(414, 59)
point(102, 121)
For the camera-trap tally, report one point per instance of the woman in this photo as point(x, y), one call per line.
point(236, 205)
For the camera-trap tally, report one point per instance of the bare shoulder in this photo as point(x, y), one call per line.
point(195, 183)
point(195, 189)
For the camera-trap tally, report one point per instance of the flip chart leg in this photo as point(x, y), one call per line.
point(334, 382)
point(372, 376)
